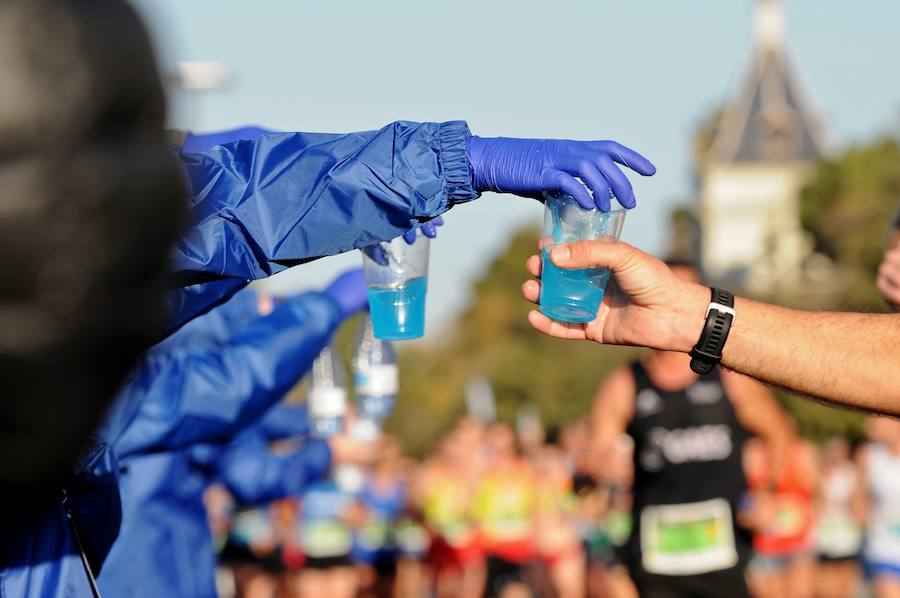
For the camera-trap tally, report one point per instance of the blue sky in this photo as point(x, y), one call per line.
point(640, 72)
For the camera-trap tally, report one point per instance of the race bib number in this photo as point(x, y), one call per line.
point(839, 535)
point(412, 538)
point(326, 538)
point(688, 539)
point(375, 534)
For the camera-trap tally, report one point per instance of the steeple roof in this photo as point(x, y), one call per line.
point(770, 120)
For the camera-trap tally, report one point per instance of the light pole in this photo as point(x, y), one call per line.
point(196, 77)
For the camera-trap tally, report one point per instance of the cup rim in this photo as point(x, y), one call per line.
point(563, 195)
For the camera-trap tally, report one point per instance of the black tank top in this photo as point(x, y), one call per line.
point(687, 448)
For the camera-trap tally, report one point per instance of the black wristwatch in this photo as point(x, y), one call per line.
point(707, 353)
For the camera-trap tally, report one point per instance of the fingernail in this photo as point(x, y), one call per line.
point(560, 254)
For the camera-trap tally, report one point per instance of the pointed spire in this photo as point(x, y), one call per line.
point(769, 25)
point(770, 120)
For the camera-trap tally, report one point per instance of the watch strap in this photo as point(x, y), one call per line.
point(707, 353)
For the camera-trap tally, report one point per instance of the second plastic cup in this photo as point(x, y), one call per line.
point(574, 295)
point(397, 276)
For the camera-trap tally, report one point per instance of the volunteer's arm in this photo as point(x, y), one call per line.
point(261, 204)
point(206, 389)
point(207, 393)
point(847, 358)
point(255, 474)
point(285, 420)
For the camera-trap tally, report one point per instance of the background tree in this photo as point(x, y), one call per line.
point(847, 205)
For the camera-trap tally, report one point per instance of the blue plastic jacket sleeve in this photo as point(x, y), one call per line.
point(254, 474)
point(285, 421)
point(260, 205)
point(208, 390)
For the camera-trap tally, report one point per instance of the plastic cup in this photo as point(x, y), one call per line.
point(574, 295)
point(397, 277)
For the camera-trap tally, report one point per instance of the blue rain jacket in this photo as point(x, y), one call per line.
point(256, 207)
point(260, 205)
point(194, 387)
point(165, 546)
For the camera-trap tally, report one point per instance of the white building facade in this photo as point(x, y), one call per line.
point(766, 142)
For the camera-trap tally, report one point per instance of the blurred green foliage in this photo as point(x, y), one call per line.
point(847, 205)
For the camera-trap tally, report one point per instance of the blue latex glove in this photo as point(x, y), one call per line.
point(429, 229)
point(531, 166)
point(349, 291)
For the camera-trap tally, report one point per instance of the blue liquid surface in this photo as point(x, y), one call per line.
point(398, 313)
point(571, 295)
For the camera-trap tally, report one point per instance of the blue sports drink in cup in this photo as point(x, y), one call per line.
point(398, 312)
point(574, 295)
point(397, 277)
point(571, 295)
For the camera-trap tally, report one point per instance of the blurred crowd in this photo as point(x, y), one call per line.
point(497, 511)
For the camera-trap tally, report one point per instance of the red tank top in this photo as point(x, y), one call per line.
point(791, 528)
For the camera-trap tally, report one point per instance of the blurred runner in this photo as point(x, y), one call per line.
point(328, 515)
point(445, 492)
point(782, 515)
point(688, 433)
point(413, 542)
point(877, 501)
point(839, 534)
point(383, 499)
point(504, 510)
point(602, 525)
point(253, 553)
point(558, 544)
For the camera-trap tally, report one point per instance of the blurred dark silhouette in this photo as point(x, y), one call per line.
point(90, 202)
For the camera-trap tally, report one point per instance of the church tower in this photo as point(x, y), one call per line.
point(766, 141)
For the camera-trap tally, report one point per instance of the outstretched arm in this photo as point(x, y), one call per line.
point(847, 358)
point(207, 391)
point(255, 474)
point(267, 201)
point(224, 370)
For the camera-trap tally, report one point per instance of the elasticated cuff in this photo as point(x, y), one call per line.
point(457, 171)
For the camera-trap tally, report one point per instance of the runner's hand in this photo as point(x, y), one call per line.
point(645, 304)
point(888, 281)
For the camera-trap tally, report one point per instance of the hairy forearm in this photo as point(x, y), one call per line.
point(848, 358)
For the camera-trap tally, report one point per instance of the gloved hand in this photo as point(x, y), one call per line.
point(531, 166)
point(349, 291)
point(429, 229)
